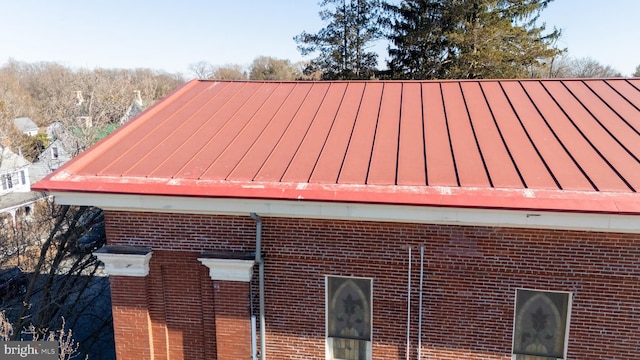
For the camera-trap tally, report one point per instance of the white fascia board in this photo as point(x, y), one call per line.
point(357, 212)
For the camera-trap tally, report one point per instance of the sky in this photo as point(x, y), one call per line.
point(171, 35)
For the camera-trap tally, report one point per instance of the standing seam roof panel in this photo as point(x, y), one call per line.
point(469, 163)
point(533, 170)
point(441, 169)
point(305, 159)
point(597, 170)
point(278, 161)
point(327, 169)
point(358, 157)
point(130, 135)
point(613, 153)
point(628, 89)
point(222, 138)
point(615, 125)
point(497, 159)
point(411, 158)
point(248, 167)
point(562, 166)
point(623, 107)
point(244, 140)
point(179, 127)
point(210, 120)
point(384, 157)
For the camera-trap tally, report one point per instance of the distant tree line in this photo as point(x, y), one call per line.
point(49, 93)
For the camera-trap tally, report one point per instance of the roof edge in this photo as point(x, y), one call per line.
point(438, 196)
point(357, 212)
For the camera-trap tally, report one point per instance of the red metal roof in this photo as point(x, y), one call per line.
point(566, 145)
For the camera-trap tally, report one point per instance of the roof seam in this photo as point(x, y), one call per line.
point(424, 137)
point(557, 137)
point(375, 133)
point(283, 134)
point(526, 132)
point(582, 133)
point(267, 123)
point(622, 95)
point(446, 120)
point(246, 124)
point(344, 158)
point(596, 119)
point(395, 181)
point(217, 132)
point(611, 107)
point(324, 143)
point(504, 142)
point(146, 136)
point(184, 123)
point(475, 136)
point(315, 115)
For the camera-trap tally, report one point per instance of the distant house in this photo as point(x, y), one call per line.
point(55, 130)
point(26, 126)
point(16, 197)
point(14, 172)
point(360, 220)
point(136, 107)
point(49, 160)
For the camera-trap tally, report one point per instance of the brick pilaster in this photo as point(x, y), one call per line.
point(233, 320)
point(131, 322)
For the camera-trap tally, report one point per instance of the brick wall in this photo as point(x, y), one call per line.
point(471, 274)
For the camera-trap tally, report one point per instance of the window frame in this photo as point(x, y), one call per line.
point(328, 339)
point(514, 355)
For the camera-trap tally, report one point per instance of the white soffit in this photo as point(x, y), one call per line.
point(357, 212)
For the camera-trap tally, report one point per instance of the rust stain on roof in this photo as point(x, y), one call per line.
point(256, 139)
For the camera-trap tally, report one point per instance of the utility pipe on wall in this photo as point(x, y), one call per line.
point(409, 307)
point(260, 262)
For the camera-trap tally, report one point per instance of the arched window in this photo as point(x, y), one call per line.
point(348, 318)
point(541, 325)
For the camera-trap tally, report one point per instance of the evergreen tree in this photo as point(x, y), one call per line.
point(342, 45)
point(637, 73)
point(468, 38)
point(418, 31)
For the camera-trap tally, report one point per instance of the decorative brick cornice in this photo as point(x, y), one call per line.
point(124, 260)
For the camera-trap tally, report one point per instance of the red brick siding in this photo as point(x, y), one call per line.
point(471, 274)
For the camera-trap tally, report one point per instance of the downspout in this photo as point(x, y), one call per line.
point(420, 300)
point(409, 308)
point(260, 262)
